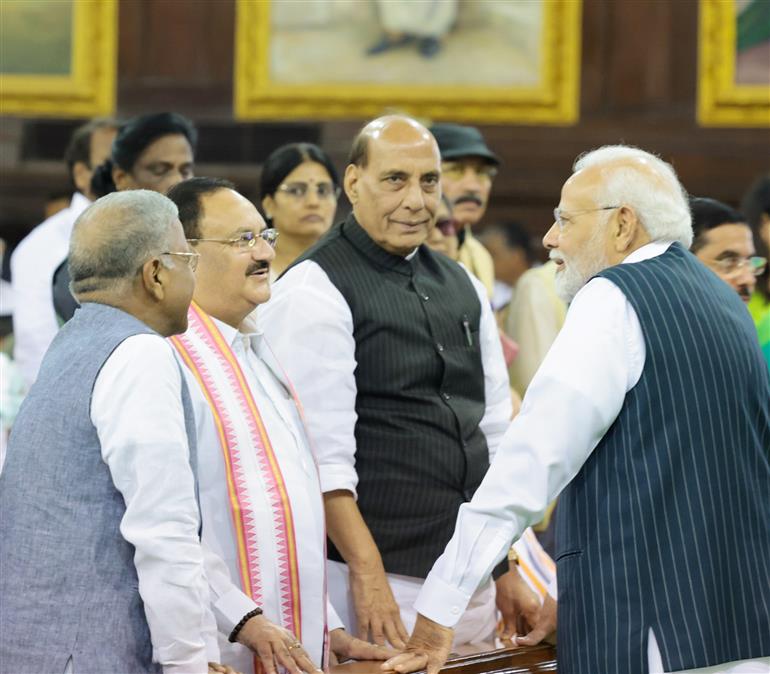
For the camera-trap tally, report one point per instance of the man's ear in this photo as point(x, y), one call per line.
point(625, 229)
point(268, 204)
point(153, 278)
point(350, 182)
point(121, 178)
point(81, 176)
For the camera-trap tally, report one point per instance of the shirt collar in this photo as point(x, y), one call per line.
point(652, 249)
point(79, 203)
point(364, 243)
point(249, 332)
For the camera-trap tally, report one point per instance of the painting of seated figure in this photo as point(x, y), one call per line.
point(484, 60)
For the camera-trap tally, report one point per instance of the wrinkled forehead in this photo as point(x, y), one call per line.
point(408, 156)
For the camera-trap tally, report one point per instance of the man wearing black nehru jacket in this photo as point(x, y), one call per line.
point(394, 353)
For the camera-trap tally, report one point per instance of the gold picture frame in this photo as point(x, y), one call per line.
point(552, 99)
point(722, 99)
point(87, 89)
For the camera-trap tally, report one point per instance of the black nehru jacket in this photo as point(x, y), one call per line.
point(419, 451)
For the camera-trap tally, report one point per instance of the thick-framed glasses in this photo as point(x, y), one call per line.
point(732, 265)
point(190, 258)
point(299, 191)
point(561, 218)
point(245, 240)
point(456, 170)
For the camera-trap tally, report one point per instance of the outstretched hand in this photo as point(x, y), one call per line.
point(377, 612)
point(346, 647)
point(216, 668)
point(428, 648)
point(545, 624)
point(517, 603)
point(275, 645)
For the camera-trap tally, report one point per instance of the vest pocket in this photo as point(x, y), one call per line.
point(572, 552)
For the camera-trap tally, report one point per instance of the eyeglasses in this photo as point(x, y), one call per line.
point(190, 258)
point(732, 265)
point(561, 218)
point(456, 170)
point(299, 191)
point(245, 240)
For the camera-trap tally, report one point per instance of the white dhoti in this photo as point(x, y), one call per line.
point(477, 624)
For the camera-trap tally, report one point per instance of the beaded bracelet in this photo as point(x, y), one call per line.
point(234, 634)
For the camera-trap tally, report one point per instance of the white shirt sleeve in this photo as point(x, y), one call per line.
point(137, 411)
point(497, 392)
point(309, 328)
point(34, 317)
point(572, 401)
point(228, 602)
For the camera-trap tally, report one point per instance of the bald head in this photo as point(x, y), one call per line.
point(115, 235)
point(390, 129)
point(393, 182)
point(128, 251)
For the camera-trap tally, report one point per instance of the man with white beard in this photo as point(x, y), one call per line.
point(662, 450)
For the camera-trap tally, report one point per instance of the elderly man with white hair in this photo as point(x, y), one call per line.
point(661, 452)
point(102, 566)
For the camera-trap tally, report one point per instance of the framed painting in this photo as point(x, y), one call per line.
point(480, 61)
point(57, 57)
point(734, 63)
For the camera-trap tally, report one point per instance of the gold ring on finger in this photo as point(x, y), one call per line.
point(296, 644)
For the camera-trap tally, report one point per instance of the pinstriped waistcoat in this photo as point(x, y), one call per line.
point(667, 525)
point(420, 392)
point(68, 585)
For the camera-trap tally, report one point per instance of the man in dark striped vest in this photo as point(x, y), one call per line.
point(394, 353)
point(662, 450)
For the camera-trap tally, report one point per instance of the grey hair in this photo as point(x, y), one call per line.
point(115, 236)
point(648, 185)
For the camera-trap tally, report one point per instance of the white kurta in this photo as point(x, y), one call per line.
point(136, 408)
point(573, 399)
point(310, 326)
point(282, 422)
point(33, 264)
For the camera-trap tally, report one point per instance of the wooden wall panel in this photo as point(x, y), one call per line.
point(638, 86)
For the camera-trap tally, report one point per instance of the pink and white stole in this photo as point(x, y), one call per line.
point(240, 429)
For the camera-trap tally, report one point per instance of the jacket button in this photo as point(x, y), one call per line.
point(446, 396)
point(439, 347)
point(425, 297)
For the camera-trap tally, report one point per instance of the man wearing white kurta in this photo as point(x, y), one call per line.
point(633, 412)
point(391, 508)
point(262, 511)
point(39, 254)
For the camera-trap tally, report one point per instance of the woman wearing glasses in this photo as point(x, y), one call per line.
point(299, 189)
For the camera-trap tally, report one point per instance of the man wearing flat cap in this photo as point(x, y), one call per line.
point(468, 168)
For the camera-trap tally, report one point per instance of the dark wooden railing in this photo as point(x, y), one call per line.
point(504, 661)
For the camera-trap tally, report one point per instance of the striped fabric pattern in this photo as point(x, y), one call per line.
point(217, 370)
point(667, 525)
point(420, 384)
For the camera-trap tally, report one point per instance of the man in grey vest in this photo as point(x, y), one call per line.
point(101, 562)
point(662, 450)
point(394, 353)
